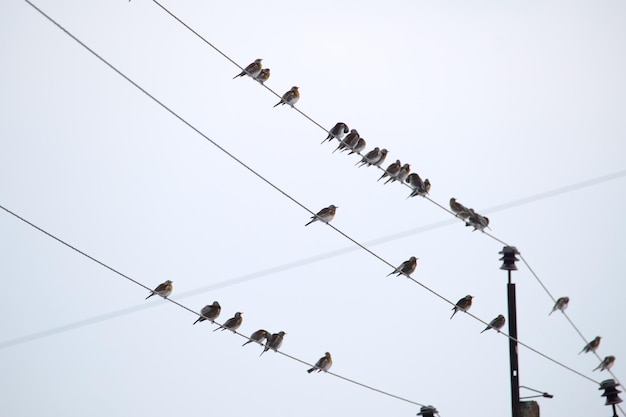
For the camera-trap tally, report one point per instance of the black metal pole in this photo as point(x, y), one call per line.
point(515, 401)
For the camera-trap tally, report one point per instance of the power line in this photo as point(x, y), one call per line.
point(307, 261)
point(75, 249)
point(492, 236)
point(238, 161)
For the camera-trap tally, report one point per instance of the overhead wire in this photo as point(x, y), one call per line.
point(241, 163)
point(178, 304)
point(491, 235)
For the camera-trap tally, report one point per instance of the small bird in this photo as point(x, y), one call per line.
point(291, 97)
point(383, 156)
point(476, 220)
point(496, 323)
point(323, 364)
point(463, 304)
point(592, 346)
point(607, 363)
point(164, 289)
point(337, 132)
point(263, 76)
point(274, 342)
point(324, 215)
point(232, 323)
point(459, 209)
point(561, 304)
point(209, 312)
point(391, 171)
point(358, 147)
point(259, 336)
point(370, 158)
point(349, 141)
point(401, 175)
point(406, 268)
point(252, 70)
point(419, 187)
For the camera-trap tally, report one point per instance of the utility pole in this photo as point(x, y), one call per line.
point(508, 257)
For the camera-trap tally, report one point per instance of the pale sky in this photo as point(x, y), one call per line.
point(493, 102)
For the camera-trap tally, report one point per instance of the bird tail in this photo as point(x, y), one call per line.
point(553, 310)
point(485, 330)
point(238, 75)
point(151, 294)
point(199, 319)
point(249, 341)
point(453, 313)
point(362, 162)
point(278, 103)
point(329, 138)
point(390, 179)
point(310, 370)
point(264, 350)
point(382, 176)
point(310, 221)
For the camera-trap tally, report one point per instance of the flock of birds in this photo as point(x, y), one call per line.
point(351, 141)
point(262, 337)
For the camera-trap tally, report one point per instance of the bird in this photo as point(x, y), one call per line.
point(591, 346)
point(209, 312)
point(476, 220)
point(232, 323)
point(323, 364)
point(263, 76)
point(391, 171)
point(496, 323)
point(459, 209)
point(561, 304)
point(607, 363)
point(259, 336)
point(419, 187)
point(370, 158)
point(349, 141)
point(401, 175)
point(324, 215)
point(291, 97)
point(164, 289)
point(274, 342)
point(383, 156)
point(407, 267)
point(337, 132)
point(252, 70)
point(463, 304)
point(358, 147)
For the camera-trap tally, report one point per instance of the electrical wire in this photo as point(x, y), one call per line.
point(75, 249)
point(492, 236)
point(245, 166)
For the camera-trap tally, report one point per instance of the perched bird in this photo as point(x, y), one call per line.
point(263, 76)
point(259, 336)
point(606, 363)
point(476, 220)
point(164, 289)
point(358, 147)
point(370, 158)
point(252, 70)
point(349, 141)
point(459, 209)
point(232, 323)
point(592, 346)
point(406, 268)
point(419, 187)
point(324, 215)
point(403, 173)
point(337, 132)
point(391, 171)
point(496, 323)
point(209, 312)
point(383, 156)
point(323, 364)
point(291, 97)
point(274, 342)
point(463, 304)
point(561, 304)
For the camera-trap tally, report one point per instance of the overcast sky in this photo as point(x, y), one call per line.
point(492, 101)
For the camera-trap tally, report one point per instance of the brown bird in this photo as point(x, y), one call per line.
point(391, 171)
point(324, 215)
point(164, 289)
point(406, 268)
point(349, 141)
point(561, 304)
point(209, 312)
point(232, 323)
point(496, 324)
point(259, 336)
point(323, 364)
point(263, 76)
point(337, 132)
point(592, 346)
point(459, 209)
point(607, 363)
point(274, 342)
point(463, 304)
point(252, 69)
point(291, 97)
